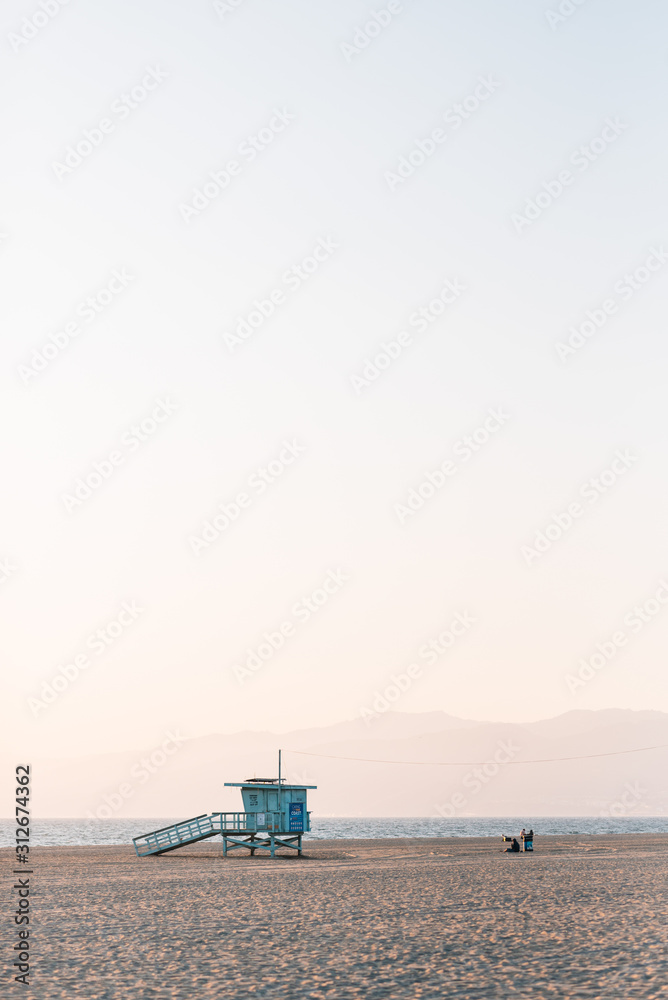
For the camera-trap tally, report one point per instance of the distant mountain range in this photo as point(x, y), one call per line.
point(186, 777)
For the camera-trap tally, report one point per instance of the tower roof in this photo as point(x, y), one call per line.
point(263, 783)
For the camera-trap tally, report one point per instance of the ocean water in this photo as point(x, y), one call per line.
point(68, 832)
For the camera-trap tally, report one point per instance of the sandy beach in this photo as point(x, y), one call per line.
point(424, 918)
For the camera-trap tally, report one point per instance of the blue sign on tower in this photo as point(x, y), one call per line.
point(296, 816)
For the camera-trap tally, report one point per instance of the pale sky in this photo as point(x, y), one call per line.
point(502, 171)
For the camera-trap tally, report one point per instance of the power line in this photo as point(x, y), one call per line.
point(469, 763)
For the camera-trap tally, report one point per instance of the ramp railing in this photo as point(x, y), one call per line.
point(169, 837)
point(189, 831)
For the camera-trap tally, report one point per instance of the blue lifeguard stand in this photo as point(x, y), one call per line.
point(274, 811)
point(274, 816)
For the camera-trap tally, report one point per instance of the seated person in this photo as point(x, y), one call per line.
point(514, 847)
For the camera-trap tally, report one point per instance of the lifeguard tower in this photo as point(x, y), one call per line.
point(274, 816)
point(275, 813)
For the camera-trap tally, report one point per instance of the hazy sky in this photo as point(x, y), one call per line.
point(470, 184)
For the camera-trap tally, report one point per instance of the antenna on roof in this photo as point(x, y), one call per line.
point(279, 768)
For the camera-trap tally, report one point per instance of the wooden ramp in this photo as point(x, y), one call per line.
point(168, 838)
